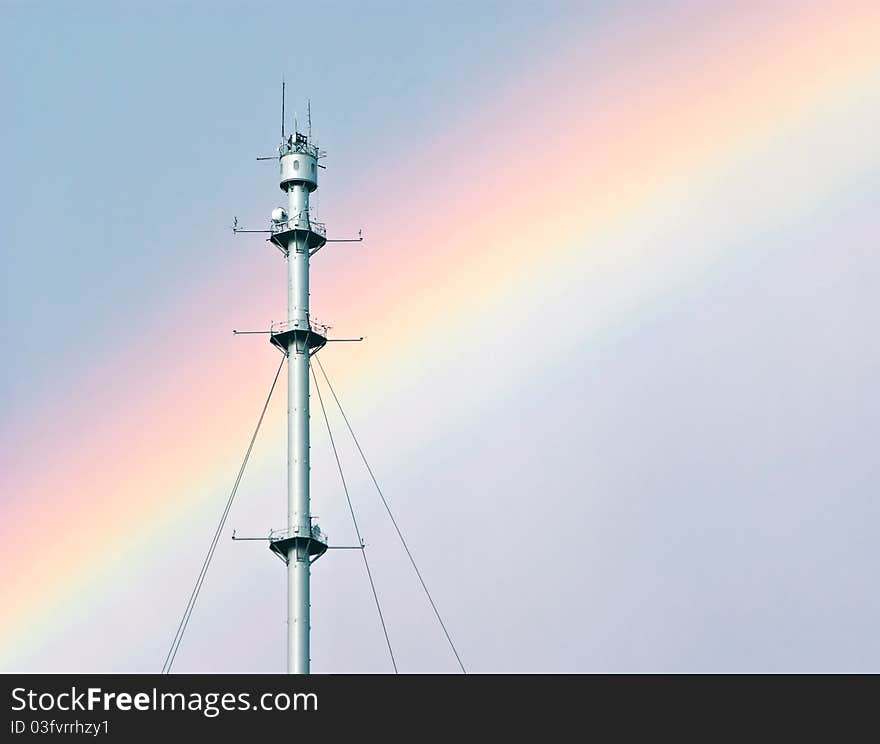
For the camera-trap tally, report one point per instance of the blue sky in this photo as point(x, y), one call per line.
point(653, 450)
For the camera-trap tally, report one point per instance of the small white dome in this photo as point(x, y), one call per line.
point(279, 215)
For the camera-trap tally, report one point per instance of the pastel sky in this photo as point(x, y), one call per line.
point(620, 290)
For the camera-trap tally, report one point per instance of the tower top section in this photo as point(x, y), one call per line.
point(299, 162)
point(299, 143)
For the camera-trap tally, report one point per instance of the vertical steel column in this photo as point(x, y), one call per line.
point(298, 510)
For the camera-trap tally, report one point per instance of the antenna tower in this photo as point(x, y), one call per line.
point(301, 542)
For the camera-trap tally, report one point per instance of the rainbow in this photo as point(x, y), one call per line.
point(607, 131)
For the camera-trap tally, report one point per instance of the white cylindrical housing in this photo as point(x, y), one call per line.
point(299, 167)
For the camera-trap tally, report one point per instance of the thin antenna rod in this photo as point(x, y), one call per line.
point(282, 108)
point(310, 118)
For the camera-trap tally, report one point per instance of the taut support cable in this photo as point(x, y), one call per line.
point(194, 595)
point(353, 518)
point(390, 514)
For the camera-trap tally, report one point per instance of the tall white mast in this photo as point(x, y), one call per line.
point(301, 542)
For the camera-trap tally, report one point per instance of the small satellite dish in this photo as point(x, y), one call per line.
point(279, 215)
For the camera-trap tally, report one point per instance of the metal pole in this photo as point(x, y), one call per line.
point(298, 511)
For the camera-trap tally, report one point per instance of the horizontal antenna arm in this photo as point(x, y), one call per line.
point(237, 229)
point(358, 239)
